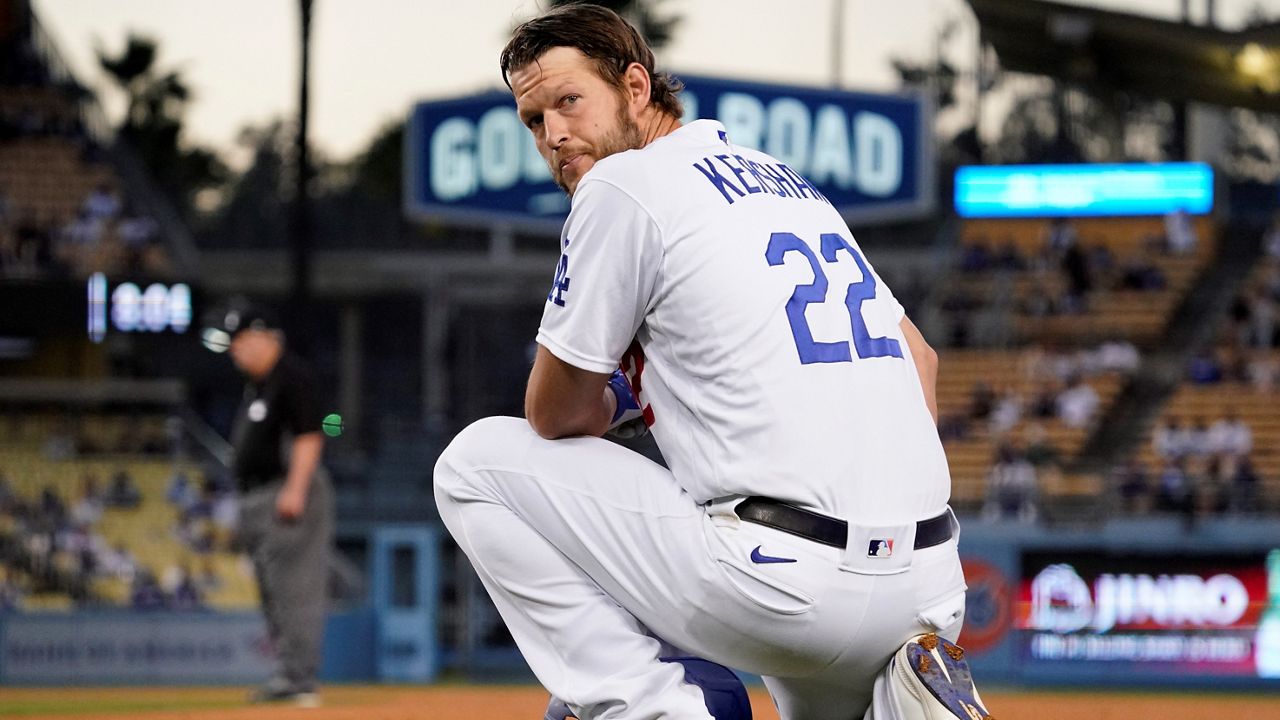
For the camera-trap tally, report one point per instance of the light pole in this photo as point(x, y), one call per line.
point(300, 225)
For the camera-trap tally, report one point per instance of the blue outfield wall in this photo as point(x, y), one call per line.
point(167, 648)
point(393, 638)
point(1138, 603)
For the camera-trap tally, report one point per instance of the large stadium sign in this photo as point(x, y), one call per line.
point(470, 159)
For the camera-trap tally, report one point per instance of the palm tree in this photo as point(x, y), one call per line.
point(152, 123)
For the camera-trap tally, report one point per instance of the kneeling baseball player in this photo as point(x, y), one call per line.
point(710, 292)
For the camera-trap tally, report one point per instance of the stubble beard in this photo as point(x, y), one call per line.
point(624, 136)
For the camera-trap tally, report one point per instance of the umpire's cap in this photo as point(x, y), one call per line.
point(222, 326)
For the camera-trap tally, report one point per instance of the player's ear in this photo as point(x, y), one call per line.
point(636, 87)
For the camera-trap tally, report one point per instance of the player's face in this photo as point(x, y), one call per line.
point(576, 117)
point(252, 352)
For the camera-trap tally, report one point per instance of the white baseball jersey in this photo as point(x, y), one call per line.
point(767, 353)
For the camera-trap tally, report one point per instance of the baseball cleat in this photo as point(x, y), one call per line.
point(280, 692)
point(938, 676)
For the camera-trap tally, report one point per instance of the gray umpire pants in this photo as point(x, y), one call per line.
point(291, 561)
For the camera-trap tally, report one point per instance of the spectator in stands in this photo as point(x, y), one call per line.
point(180, 589)
point(1011, 487)
point(981, 401)
point(975, 256)
point(88, 508)
point(1262, 319)
point(1075, 266)
point(10, 590)
point(1197, 438)
point(1077, 404)
point(60, 443)
point(1242, 487)
point(1234, 366)
point(1007, 410)
point(102, 203)
point(1241, 320)
point(1271, 238)
point(6, 492)
point(1263, 371)
point(1140, 272)
point(1060, 236)
point(1118, 355)
point(953, 426)
point(1008, 257)
point(1038, 302)
point(1170, 439)
point(147, 594)
point(1044, 404)
point(1173, 493)
point(52, 510)
point(181, 493)
point(208, 580)
point(1203, 368)
point(1180, 232)
point(225, 519)
point(1102, 265)
point(123, 492)
point(1041, 452)
point(1133, 486)
point(195, 523)
point(1041, 363)
point(138, 235)
point(1230, 436)
point(118, 562)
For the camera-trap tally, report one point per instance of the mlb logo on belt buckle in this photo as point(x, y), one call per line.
point(880, 547)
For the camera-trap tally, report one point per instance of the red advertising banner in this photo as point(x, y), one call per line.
point(1194, 614)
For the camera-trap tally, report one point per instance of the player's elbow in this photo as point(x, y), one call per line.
point(544, 423)
point(547, 419)
point(926, 358)
point(553, 421)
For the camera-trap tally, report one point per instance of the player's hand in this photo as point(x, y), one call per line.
point(290, 503)
point(628, 420)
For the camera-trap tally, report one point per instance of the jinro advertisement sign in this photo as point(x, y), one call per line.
point(1192, 615)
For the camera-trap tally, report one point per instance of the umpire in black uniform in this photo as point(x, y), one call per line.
point(286, 512)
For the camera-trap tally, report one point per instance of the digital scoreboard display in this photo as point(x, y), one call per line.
point(1117, 190)
point(1153, 615)
point(129, 306)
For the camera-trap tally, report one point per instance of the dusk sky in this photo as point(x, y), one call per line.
point(372, 60)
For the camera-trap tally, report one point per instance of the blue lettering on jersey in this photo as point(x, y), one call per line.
point(813, 351)
point(712, 174)
point(772, 179)
point(560, 285)
point(738, 172)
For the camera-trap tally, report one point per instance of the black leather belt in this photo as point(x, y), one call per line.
point(828, 530)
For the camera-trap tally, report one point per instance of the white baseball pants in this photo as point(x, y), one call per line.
point(590, 550)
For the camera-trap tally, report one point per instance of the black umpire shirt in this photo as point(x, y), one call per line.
point(283, 403)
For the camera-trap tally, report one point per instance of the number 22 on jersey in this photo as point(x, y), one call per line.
point(814, 351)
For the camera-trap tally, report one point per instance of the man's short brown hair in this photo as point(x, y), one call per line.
point(610, 42)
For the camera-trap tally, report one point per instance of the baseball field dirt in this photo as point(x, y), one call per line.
point(485, 702)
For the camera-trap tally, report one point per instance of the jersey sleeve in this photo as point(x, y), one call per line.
point(303, 414)
point(605, 280)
